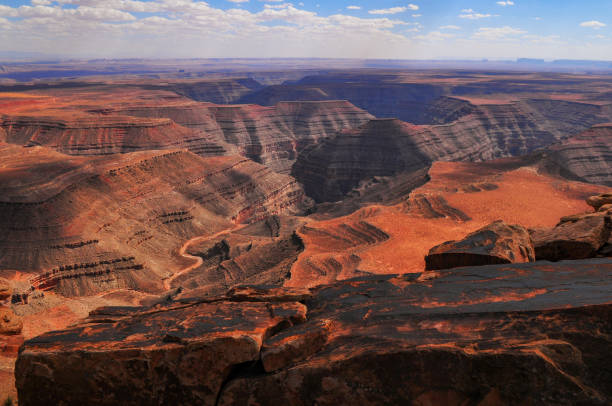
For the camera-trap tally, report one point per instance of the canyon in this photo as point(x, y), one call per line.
point(306, 236)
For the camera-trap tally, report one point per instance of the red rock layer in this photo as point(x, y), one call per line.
point(458, 199)
point(150, 120)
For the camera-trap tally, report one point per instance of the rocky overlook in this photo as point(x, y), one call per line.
point(485, 335)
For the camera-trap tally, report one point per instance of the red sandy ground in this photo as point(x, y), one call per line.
point(523, 197)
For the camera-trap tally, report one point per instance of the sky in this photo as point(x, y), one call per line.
point(420, 29)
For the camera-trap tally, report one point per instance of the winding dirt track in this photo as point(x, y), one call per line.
point(197, 260)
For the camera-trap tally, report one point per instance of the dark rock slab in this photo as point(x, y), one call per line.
point(530, 333)
point(575, 237)
point(173, 354)
point(497, 243)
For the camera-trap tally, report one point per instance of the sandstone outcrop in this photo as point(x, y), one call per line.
point(496, 243)
point(598, 202)
point(497, 334)
point(10, 323)
point(575, 237)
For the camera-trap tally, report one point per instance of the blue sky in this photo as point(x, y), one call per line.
point(417, 29)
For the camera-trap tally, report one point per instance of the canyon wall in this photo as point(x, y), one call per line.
point(269, 135)
point(85, 225)
point(384, 147)
point(588, 155)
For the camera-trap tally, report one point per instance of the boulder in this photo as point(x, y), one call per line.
point(10, 323)
point(5, 289)
point(598, 201)
point(575, 237)
point(497, 243)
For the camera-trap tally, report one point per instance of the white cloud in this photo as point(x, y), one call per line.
point(472, 15)
point(238, 1)
point(434, 36)
point(193, 28)
point(413, 7)
point(505, 3)
point(497, 33)
point(392, 10)
point(353, 7)
point(593, 24)
point(416, 15)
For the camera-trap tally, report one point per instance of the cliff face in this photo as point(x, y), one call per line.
point(95, 135)
point(412, 102)
point(88, 225)
point(216, 91)
point(269, 135)
point(588, 155)
point(272, 136)
point(385, 147)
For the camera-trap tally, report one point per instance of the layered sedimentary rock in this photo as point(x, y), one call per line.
point(496, 243)
point(216, 91)
point(96, 135)
point(504, 334)
point(269, 135)
point(417, 103)
point(385, 146)
point(588, 155)
point(84, 225)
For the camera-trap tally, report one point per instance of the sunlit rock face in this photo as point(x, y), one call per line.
point(269, 135)
point(496, 243)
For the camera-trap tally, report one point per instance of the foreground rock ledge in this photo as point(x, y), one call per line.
point(532, 333)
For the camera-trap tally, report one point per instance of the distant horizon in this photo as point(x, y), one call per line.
point(58, 58)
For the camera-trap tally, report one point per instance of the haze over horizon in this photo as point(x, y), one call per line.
point(421, 29)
